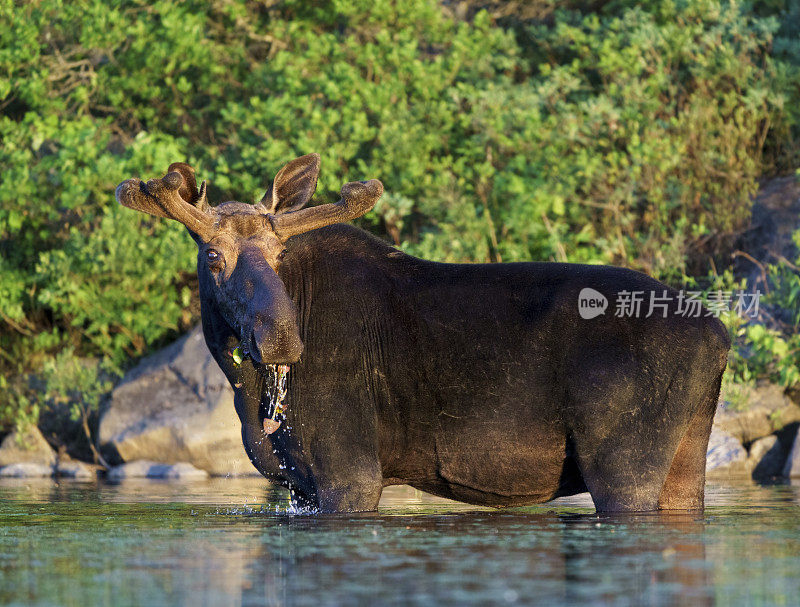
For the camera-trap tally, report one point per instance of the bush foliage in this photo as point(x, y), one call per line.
point(629, 135)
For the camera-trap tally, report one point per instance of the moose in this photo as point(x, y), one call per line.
point(476, 382)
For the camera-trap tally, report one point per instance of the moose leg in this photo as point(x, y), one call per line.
point(340, 453)
point(350, 495)
point(653, 455)
point(684, 487)
point(623, 466)
point(685, 484)
point(333, 476)
point(352, 484)
point(626, 431)
point(621, 479)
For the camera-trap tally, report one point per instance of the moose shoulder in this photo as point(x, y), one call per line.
point(356, 366)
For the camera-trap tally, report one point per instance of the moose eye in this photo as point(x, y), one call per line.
point(281, 255)
point(212, 255)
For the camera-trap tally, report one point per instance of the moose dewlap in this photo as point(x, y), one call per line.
point(357, 366)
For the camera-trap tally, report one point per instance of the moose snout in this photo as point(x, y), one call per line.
point(273, 342)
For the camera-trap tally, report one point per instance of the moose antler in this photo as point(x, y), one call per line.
point(358, 197)
point(188, 191)
point(163, 198)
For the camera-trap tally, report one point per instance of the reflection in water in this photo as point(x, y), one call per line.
point(221, 543)
point(661, 555)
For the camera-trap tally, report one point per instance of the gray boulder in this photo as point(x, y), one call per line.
point(176, 406)
point(774, 219)
point(147, 469)
point(791, 468)
point(26, 470)
point(725, 455)
point(76, 470)
point(767, 409)
point(34, 449)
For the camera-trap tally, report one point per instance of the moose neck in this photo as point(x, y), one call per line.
point(334, 276)
point(337, 280)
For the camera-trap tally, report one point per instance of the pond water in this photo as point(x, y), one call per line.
point(222, 542)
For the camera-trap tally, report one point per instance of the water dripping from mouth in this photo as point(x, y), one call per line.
point(272, 401)
point(272, 407)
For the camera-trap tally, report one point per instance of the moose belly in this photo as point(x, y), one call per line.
point(493, 463)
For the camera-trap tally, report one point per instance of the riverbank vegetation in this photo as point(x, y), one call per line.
point(586, 132)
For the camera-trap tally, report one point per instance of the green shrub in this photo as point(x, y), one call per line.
point(770, 348)
point(73, 388)
point(633, 135)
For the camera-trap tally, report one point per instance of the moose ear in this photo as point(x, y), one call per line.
point(293, 186)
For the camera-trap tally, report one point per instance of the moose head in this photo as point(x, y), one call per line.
point(241, 246)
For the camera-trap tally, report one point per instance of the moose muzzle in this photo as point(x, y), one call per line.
point(274, 342)
point(264, 312)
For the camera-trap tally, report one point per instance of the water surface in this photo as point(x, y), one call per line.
point(222, 542)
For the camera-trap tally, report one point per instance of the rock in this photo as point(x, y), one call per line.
point(26, 470)
point(762, 446)
point(137, 469)
point(36, 449)
point(75, 469)
point(791, 468)
point(725, 455)
point(774, 218)
point(176, 406)
point(147, 469)
point(767, 409)
point(767, 456)
point(181, 471)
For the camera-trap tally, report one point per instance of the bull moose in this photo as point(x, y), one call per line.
point(477, 382)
